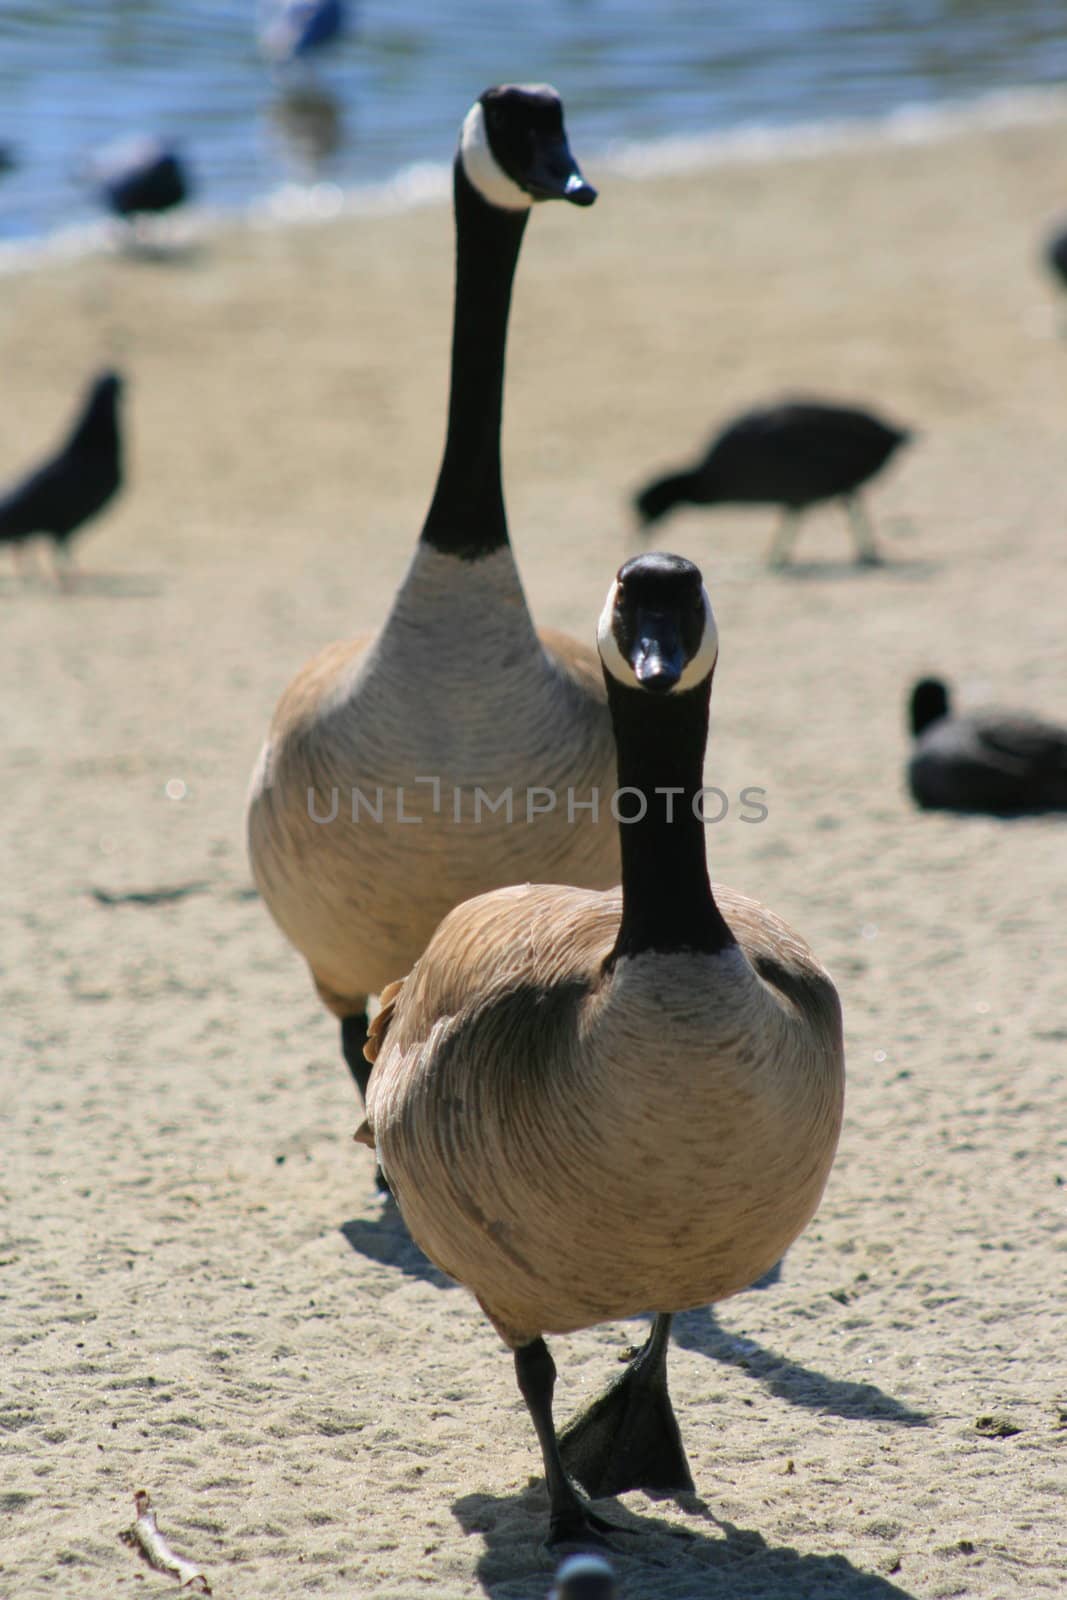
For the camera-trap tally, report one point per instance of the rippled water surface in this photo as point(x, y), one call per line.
point(75, 76)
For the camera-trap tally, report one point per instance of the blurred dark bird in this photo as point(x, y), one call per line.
point(584, 1577)
point(140, 176)
point(1056, 255)
point(291, 30)
point(1002, 762)
point(794, 455)
point(7, 158)
point(308, 118)
point(75, 483)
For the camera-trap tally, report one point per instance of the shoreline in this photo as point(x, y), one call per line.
point(424, 184)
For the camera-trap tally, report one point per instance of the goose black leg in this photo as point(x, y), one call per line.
point(572, 1521)
point(629, 1438)
point(353, 1038)
point(862, 532)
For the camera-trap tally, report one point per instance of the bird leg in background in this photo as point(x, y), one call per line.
point(629, 1438)
point(353, 1038)
point(862, 532)
point(64, 568)
point(782, 543)
point(571, 1520)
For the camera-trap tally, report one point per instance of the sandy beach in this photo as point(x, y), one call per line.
point(202, 1295)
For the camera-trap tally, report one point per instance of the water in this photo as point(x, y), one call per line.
point(76, 75)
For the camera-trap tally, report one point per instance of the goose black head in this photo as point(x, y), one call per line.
point(929, 703)
point(513, 148)
point(657, 631)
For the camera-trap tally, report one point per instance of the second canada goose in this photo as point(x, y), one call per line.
point(458, 750)
point(1005, 763)
point(794, 455)
point(590, 1105)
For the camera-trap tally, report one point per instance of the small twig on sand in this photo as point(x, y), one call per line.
point(145, 1536)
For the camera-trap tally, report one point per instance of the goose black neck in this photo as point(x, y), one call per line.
point(466, 517)
point(667, 903)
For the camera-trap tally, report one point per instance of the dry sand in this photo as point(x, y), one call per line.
point(201, 1294)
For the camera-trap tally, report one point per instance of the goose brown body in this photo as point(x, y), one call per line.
point(360, 899)
point(576, 1142)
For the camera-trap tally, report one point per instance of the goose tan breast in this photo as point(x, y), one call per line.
point(450, 756)
point(576, 1148)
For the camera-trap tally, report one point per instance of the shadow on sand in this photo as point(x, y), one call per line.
point(385, 1239)
point(84, 585)
point(787, 1380)
point(911, 568)
point(654, 1558)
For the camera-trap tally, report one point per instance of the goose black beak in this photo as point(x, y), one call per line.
point(553, 174)
point(657, 657)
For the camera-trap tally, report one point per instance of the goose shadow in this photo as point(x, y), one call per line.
point(83, 585)
point(385, 1239)
point(148, 251)
point(908, 567)
point(700, 1331)
point(719, 1564)
point(113, 586)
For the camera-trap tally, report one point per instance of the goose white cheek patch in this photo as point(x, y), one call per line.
point(695, 671)
point(483, 169)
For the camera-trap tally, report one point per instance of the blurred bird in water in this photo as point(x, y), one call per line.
point(793, 454)
point(140, 176)
point(1006, 763)
point(74, 484)
point(292, 30)
point(584, 1577)
point(308, 119)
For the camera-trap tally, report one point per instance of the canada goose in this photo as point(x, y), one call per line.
point(794, 455)
point(75, 483)
point(1003, 762)
point(458, 705)
point(589, 1105)
point(139, 176)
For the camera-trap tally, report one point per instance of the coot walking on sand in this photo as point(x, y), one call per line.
point(794, 455)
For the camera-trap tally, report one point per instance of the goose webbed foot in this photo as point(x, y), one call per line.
point(579, 1524)
point(629, 1437)
point(353, 1038)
